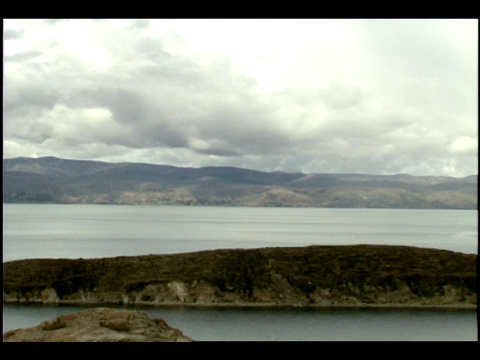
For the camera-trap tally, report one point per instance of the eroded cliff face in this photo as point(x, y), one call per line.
point(316, 275)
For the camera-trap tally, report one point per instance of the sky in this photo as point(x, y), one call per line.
point(371, 96)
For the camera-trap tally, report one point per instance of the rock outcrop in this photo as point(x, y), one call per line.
point(99, 325)
point(361, 275)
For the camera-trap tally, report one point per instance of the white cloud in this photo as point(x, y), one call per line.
point(465, 146)
point(312, 95)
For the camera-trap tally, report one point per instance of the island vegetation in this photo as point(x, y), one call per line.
point(354, 275)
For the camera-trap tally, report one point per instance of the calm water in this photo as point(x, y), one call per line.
point(286, 324)
point(92, 231)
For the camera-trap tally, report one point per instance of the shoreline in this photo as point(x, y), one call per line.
point(452, 307)
point(321, 277)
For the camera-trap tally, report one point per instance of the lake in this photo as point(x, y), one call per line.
point(286, 324)
point(93, 231)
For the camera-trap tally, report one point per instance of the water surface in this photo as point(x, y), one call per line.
point(286, 324)
point(93, 231)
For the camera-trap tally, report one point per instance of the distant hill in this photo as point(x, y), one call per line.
point(54, 180)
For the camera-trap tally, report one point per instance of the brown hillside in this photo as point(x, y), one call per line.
point(317, 275)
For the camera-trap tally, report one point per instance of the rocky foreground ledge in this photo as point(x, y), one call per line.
point(99, 325)
point(360, 275)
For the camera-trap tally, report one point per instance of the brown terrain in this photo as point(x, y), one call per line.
point(60, 181)
point(99, 325)
point(361, 275)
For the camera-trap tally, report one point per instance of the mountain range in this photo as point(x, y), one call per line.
point(55, 180)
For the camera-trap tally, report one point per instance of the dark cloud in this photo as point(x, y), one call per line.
point(23, 56)
point(247, 126)
point(160, 100)
point(12, 34)
point(127, 106)
point(54, 21)
point(169, 101)
point(29, 97)
point(139, 24)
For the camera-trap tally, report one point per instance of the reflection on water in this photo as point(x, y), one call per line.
point(286, 324)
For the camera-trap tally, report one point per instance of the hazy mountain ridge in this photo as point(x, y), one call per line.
point(54, 180)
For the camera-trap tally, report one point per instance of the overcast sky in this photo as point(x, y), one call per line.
point(311, 96)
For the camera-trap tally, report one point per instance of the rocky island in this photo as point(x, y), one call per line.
point(329, 276)
point(99, 325)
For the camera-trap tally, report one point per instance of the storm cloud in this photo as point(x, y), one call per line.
point(350, 96)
